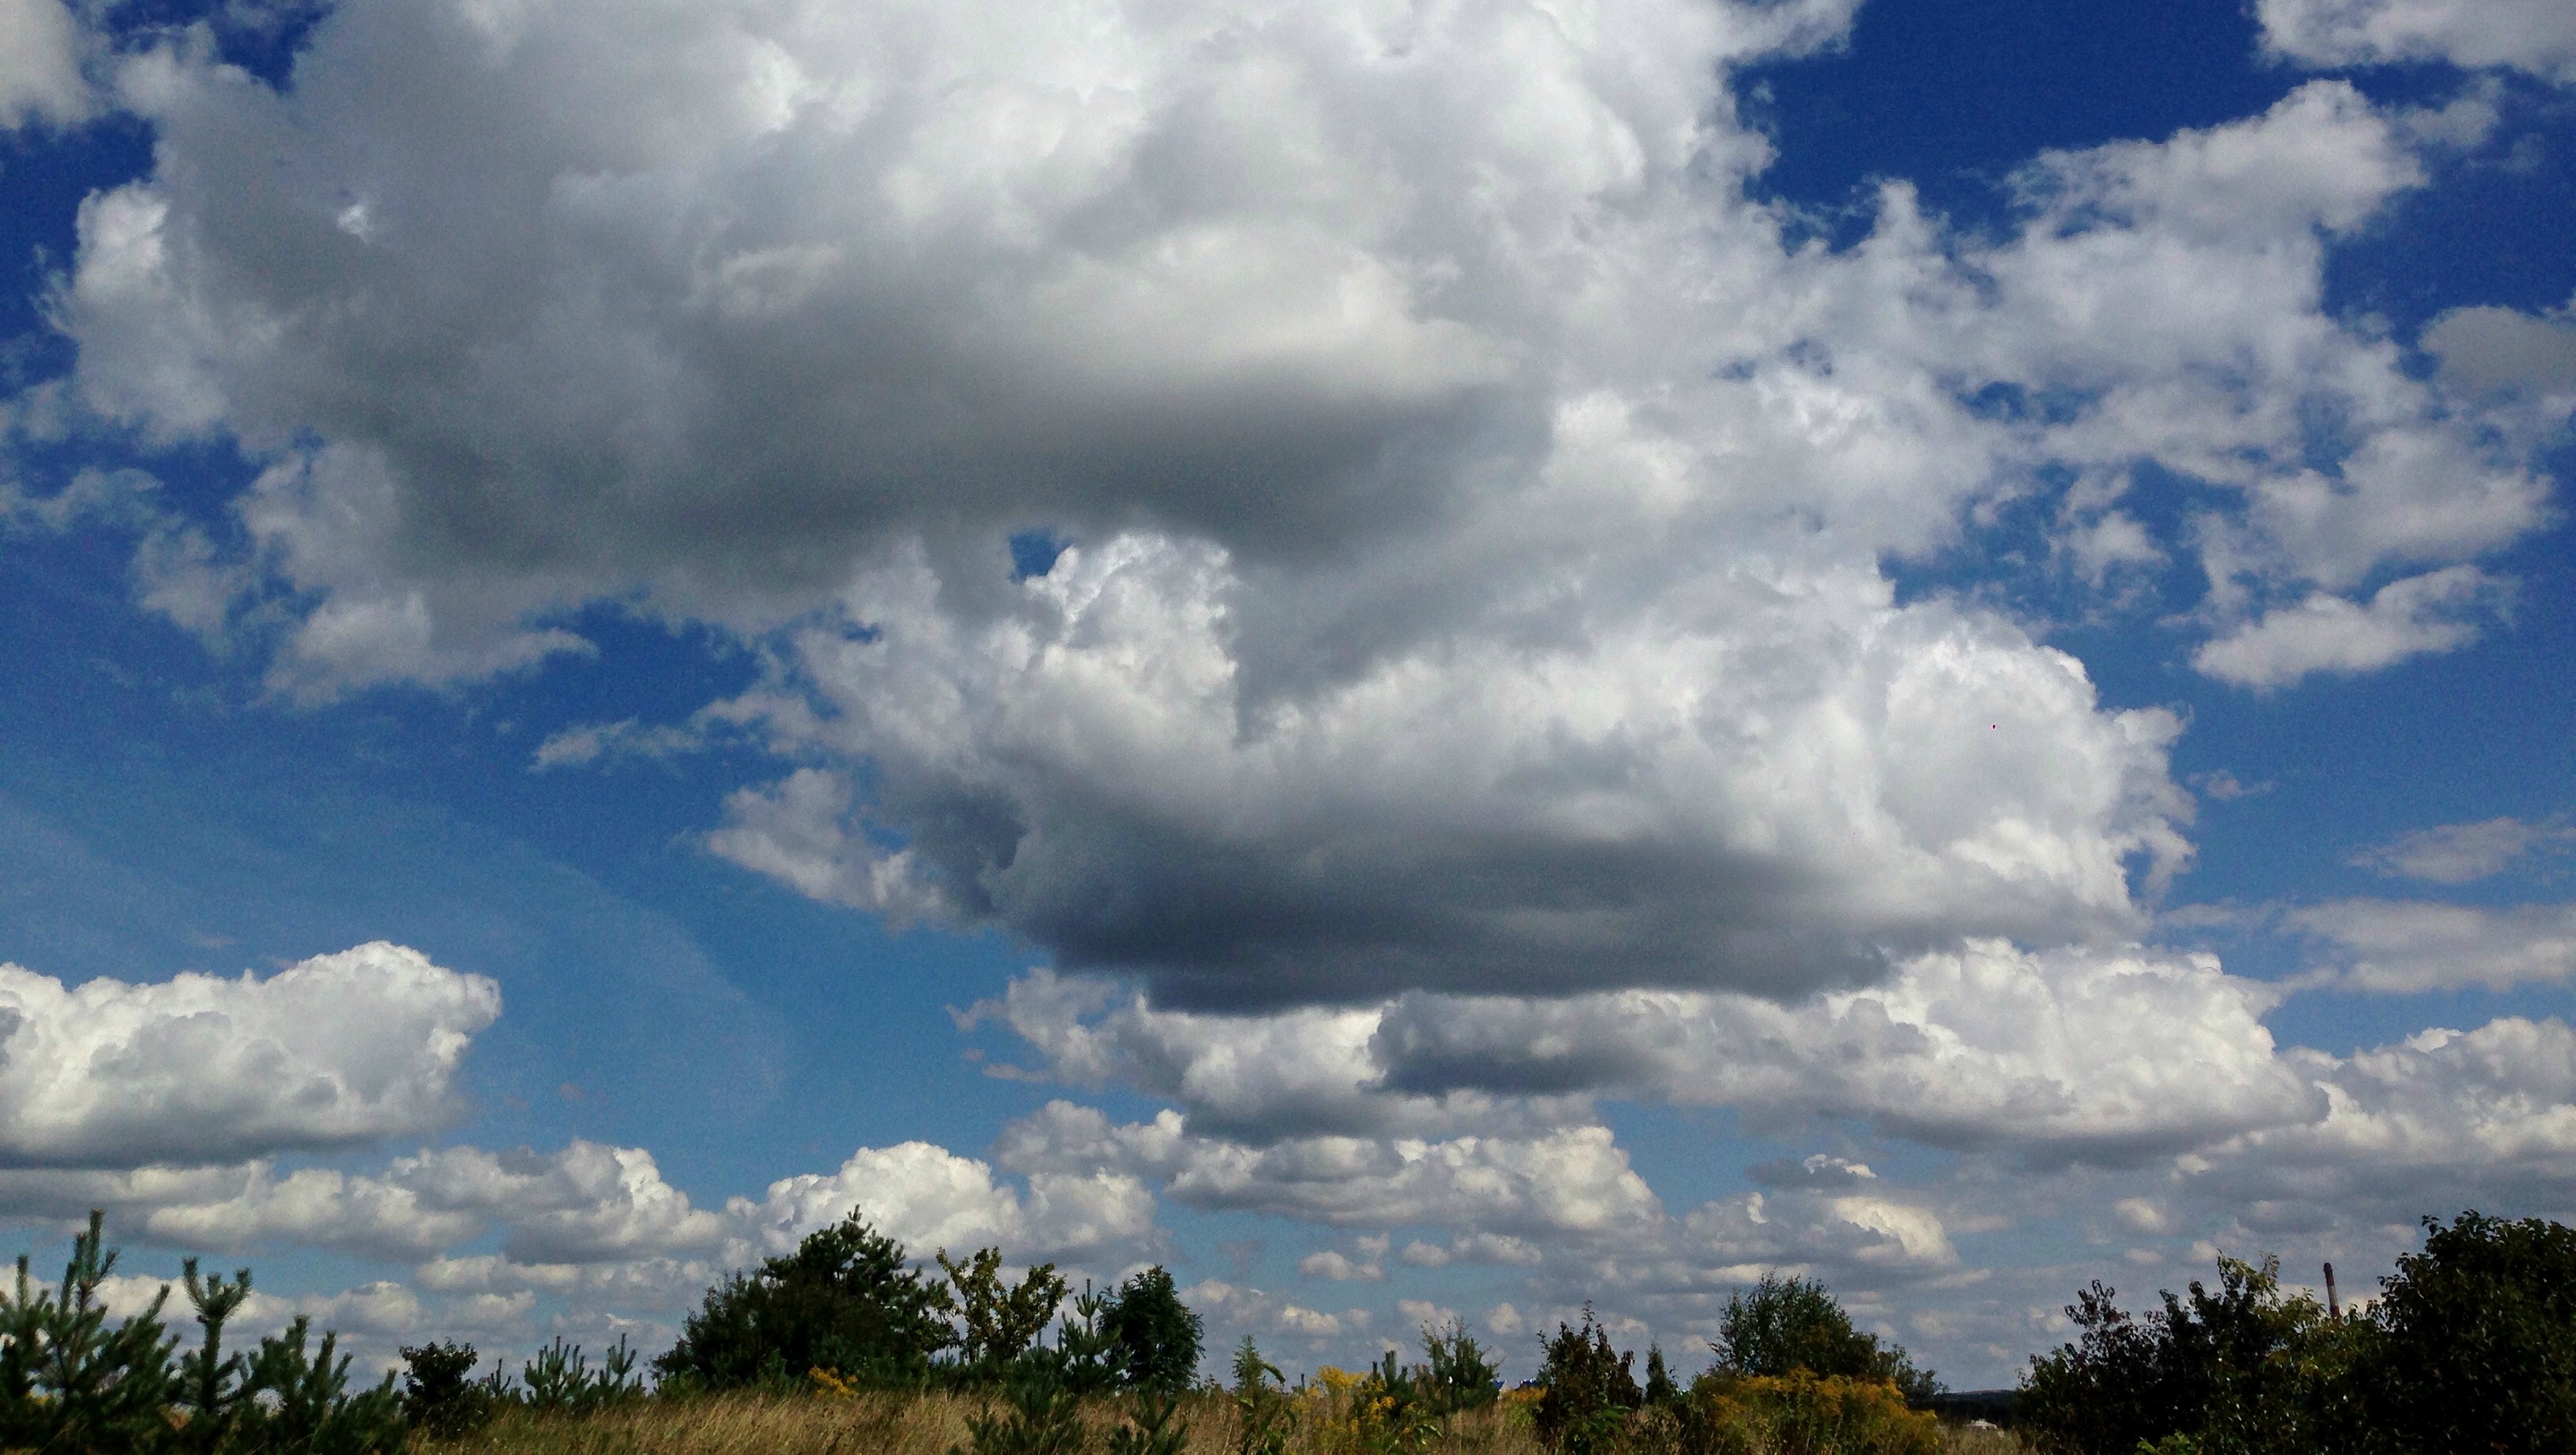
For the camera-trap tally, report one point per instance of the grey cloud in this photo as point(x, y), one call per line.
point(1988, 1048)
point(2532, 35)
point(2484, 349)
point(2404, 947)
point(2463, 853)
point(40, 64)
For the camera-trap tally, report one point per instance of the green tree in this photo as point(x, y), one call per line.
point(1660, 1389)
point(2236, 1368)
point(1159, 1333)
point(844, 1300)
point(1265, 1414)
point(440, 1395)
point(68, 1382)
point(1786, 1324)
point(2478, 1348)
point(1456, 1372)
point(1586, 1391)
point(1001, 1322)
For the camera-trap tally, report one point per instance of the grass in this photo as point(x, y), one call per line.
point(935, 1424)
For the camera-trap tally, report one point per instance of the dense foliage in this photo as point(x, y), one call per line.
point(1586, 1392)
point(1158, 1333)
point(2476, 1346)
point(845, 1300)
point(2470, 1346)
point(1782, 1325)
point(848, 1305)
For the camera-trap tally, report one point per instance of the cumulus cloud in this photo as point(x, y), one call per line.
point(1668, 799)
point(2443, 1119)
point(2463, 853)
point(338, 1050)
point(1482, 589)
point(929, 1197)
point(2532, 35)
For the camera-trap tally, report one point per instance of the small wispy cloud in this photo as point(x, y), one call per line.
point(588, 743)
point(2463, 853)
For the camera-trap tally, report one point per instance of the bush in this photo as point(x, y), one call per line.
point(1158, 1333)
point(2238, 1368)
point(1001, 1323)
point(440, 1396)
point(1784, 1325)
point(844, 1301)
point(1800, 1413)
point(1586, 1391)
point(2478, 1340)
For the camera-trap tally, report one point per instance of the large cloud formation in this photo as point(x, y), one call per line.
point(1471, 684)
point(1479, 513)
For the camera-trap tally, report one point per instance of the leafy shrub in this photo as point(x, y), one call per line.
point(844, 1300)
point(2478, 1340)
point(1586, 1390)
point(1001, 1323)
point(1159, 1333)
point(2238, 1368)
point(1783, 1325)
point(1801, 1413)
point(440, 1396)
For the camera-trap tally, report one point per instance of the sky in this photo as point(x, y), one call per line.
point(1423, 660)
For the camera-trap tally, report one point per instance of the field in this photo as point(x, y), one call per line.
point(935, 1424)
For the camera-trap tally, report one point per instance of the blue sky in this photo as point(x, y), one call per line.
point(1922, 644)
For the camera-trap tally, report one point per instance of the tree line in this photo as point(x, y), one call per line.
point(2470, 1345)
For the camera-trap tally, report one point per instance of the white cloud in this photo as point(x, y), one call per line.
point(2442, 1120)
point(2434, 612)
point(338, 1050)
point(2532, 35)
point(2463, 853)
point(40, 64)
point(927, 1197)
point(1484, 590)
point(2403, 947)
point(798, 831)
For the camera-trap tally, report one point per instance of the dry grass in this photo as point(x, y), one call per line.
point(876, 1425)
point(936, 1424)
